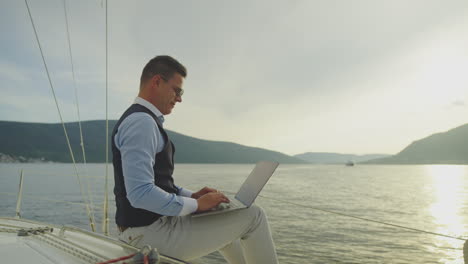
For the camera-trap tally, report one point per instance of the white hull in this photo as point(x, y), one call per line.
point(25, 241)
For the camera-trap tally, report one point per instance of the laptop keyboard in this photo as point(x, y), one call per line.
point(223, 206)
point(233, 204)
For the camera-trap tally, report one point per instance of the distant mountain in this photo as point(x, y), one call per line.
point(46, 142)
point(336, 158)
point(450, 147)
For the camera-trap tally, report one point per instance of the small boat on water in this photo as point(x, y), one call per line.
point(25, 241)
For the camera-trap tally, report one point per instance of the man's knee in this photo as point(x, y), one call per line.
point(257, 209)
point(257, 212)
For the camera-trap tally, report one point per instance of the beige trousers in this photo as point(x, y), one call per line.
point(241, 236)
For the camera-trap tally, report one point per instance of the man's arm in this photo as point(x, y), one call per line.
point(184, 192)
point(137, 141)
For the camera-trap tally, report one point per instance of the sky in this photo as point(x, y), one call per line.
point(362, 76)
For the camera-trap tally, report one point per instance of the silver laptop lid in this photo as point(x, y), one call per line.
point(255, 182)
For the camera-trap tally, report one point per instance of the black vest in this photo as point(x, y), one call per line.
point(127, 215)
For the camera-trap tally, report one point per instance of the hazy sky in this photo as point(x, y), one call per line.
point(292, 76)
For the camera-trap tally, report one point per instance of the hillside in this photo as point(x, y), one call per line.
point(450, 147)
point(36, 141)
point(336, 158)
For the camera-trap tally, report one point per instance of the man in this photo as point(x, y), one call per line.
point(151, 209)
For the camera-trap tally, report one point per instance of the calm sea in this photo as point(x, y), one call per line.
point(433, 198)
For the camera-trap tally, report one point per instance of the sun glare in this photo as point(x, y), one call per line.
point(448, 189)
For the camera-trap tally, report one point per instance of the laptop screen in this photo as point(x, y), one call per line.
point(255, 182)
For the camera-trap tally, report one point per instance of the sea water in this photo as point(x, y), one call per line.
point(432, 198)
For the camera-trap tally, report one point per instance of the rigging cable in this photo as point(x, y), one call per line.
point(105, 218)
point(20, 196)
point(60, 115)
point(90, 198)
point(366, 219)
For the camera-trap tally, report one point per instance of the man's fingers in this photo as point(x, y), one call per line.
point(223, 197)
point(205, 190)
point(220, 198)
point(211, 189)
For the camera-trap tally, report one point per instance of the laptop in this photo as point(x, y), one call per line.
point(248, 191)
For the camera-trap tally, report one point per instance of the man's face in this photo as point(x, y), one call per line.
point(168, 92)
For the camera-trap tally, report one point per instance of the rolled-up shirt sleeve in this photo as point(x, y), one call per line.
point(184, 192)
point(137, 141)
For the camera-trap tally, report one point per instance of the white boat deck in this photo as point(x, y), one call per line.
point(24, 241)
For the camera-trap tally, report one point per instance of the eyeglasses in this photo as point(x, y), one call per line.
point(178, 91)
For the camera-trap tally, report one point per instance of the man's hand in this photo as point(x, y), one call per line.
point(202, 192)
point(210, 200)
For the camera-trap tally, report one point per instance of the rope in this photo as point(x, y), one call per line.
point(117, 259)
point(10, 226)
point(9, 230)
point(366, 219)
point(60, 114)
point(105, 218)
point(70, 249)
point(90, 199)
